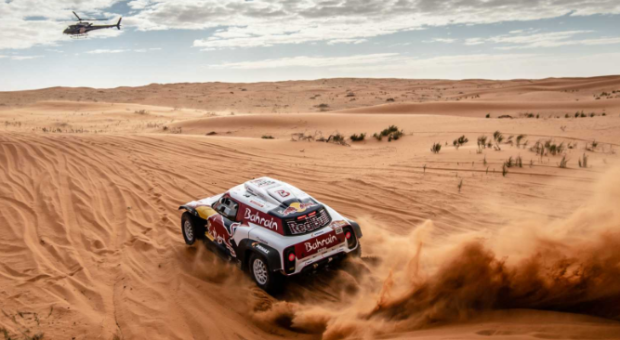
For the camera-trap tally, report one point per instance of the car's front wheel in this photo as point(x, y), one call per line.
point(264, 277)
point(191, 231)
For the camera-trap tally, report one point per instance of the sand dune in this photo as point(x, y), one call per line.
point(91, 247)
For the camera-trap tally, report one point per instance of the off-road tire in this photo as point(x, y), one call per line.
point(265, 277)
point(191, 230)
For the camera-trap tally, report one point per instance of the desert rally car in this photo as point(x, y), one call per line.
point(271, 228)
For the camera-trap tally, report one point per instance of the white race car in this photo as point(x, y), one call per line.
point(272, 228)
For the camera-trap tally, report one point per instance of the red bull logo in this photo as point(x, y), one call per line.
point(297, 208)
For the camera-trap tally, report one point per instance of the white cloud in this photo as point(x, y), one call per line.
point(440, 40)
point(304, 61)
point(260, 23)
point(105, 51)
point(144, 50)
point(21, 57)
point(489, 66)
point(521, 39)
point(244, 23)
point(474, 41)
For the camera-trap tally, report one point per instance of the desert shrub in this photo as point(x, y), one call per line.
point(350, 94)
point(358, 138)
point(519, 139)
point(337, 139)
point(389, 130)
point(322, 107)
point(267, 137)
point(212, 133)
point(482, 142)
point(395, 135)
point(604, 114)
point(390, 100)
point(509, 163)
point(583, 162)
point(140, 112)
point(460, 141)
point(436, 148)
point(519, 162)
point(302, 136)
point(498, 138)
point(392, 133)
point(566, 115)
point(488, 115)
point(563, 163)
point(165, 128)
point(504, 170)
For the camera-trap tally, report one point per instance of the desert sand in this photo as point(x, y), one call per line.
point(462, 244)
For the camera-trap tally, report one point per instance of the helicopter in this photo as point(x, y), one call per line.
point(82, 28)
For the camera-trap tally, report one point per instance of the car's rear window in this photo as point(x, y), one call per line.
point(308, 222)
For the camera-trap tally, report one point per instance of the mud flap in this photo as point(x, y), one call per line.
point(247, 247)
point(356, 228)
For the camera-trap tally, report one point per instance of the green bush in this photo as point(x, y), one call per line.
point(358, 138)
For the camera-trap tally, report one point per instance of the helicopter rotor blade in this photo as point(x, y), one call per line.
point(77, 16)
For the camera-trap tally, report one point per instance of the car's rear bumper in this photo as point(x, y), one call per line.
point(323, 259)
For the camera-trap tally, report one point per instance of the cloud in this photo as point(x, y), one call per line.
point(523, 39)
point(21, 57)
point(105, 51)
point(305, 61)
point(490, 66)
point(440, 40)
point(108, 51)
point(260, 23)
point(144, 50)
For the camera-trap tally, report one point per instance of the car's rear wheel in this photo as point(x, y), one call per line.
point(190, 229)
point(264, 276)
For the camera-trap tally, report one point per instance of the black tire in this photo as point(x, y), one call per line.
point(264, 277)
point(191, 230)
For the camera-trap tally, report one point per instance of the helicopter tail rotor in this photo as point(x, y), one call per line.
point(118, 25)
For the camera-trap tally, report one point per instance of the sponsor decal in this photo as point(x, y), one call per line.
point(263, 249)
point(260, 219)
point(257, 203)
point(283, 193)
point(297, 207)
point(308, 224)
point(262, 182)
point(216, 232)
point(317, 244)
point(337, 226)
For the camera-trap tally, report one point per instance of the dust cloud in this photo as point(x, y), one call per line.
point(569, 265)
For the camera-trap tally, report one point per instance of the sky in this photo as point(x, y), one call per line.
point(172, 41)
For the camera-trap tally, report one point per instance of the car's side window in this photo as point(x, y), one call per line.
point(227, 207)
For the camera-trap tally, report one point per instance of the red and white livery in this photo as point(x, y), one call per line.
point(272, 228)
